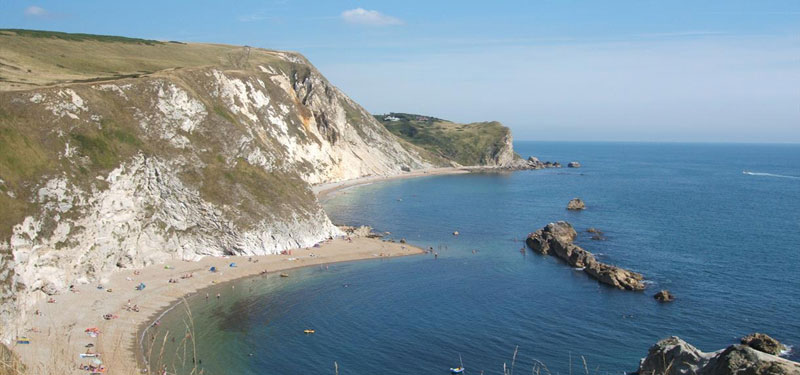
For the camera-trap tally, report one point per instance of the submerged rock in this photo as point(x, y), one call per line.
point(763, 342)
point(557, 239)
point(664, 296)
point(576, 204)
point(673, 356)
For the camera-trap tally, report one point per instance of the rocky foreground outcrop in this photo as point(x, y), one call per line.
point(764, 343)
point(673, 356)
point(557, 239)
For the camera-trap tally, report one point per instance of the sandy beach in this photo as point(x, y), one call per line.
point(324, 190)
point(57, 335)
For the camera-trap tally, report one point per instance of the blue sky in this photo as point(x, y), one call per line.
point(706, 71)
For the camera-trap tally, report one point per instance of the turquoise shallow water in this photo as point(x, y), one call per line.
point(726, 243)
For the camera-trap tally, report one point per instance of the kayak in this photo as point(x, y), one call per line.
point(309, 331)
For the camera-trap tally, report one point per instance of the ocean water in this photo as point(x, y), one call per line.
point(726, 243)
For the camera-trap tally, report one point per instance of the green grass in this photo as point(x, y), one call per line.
point(107, 146)
point(77, 37)
point(467, 144)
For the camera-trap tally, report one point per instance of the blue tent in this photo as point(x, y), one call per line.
point(233, 265)
point(140, 286)
point(213, 269)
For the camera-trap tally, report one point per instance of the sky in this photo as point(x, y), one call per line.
point(616, 70)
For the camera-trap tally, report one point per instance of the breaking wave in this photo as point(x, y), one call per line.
point(770, 175)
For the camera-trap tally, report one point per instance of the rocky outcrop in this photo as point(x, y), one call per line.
point(531, 163)
point(573, 164)
point(763, 342)
point(664, 296)
point(361, 231)
point(557, 239)
point(673, 356)
point(576, 204)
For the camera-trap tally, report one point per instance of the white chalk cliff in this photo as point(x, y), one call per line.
point(175, 165)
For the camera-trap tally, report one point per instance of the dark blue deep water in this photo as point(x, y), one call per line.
point(727, 244)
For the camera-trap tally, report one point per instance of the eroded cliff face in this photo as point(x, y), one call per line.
point(175, 165)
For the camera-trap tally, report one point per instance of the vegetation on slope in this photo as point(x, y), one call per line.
point(31, 58)
point(468, 144)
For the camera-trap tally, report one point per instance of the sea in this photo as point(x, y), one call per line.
point(716, 224)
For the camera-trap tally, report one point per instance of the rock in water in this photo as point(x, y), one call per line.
point(673, 356)
point(664, 296)
point(576, 204)
point(764, 343)
point(557, 238)
point(573, 164)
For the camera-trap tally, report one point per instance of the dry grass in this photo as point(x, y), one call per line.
point(29, 61)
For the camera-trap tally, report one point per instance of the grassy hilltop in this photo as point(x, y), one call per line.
point(477, 143)
point(32, 58)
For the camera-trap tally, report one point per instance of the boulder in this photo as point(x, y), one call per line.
point(664, 296)
point(556, 164)
point(573, 164)
point(594, 230)
point(576, 204)
point(763, 342)
point(673, 356)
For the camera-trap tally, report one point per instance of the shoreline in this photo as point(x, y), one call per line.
point(65, 337)
point(323, 191)
point(57, 336)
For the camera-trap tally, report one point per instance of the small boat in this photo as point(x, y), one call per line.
point(283, 274)
point(460, 368)
point(309, 331)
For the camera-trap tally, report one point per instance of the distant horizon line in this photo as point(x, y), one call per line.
point(789, 143)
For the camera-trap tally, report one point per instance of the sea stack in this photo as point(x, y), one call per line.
point(576, 204)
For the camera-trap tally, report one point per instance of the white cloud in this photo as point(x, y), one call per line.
point(35, 11)
point(361, 16)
